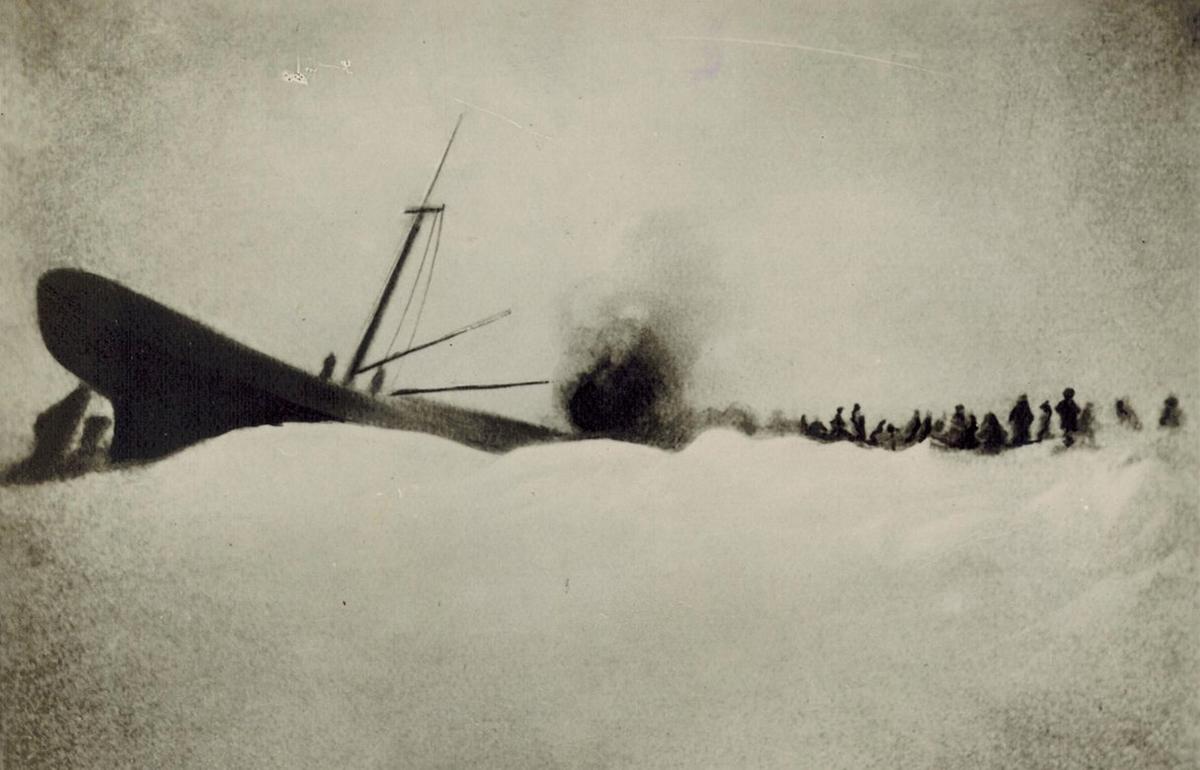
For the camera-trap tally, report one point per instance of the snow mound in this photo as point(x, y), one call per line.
point(341, 596)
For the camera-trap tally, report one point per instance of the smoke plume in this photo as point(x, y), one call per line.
point(634, 334)
point(627, 383)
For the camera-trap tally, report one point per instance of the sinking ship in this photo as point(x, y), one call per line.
point(173, 381)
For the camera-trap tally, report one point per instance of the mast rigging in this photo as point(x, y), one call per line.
point(418, 213)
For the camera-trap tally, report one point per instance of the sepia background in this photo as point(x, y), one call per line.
point(903, 204)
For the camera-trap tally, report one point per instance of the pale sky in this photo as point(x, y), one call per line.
point(984, 199)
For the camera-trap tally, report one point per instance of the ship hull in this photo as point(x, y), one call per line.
point(173, 381)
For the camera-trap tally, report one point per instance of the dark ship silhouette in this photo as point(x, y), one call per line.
point(173, 381)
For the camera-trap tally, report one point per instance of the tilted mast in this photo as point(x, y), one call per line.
point(418, 213)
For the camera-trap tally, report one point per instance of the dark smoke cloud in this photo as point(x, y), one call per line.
point(628, 384)
point(633, 336)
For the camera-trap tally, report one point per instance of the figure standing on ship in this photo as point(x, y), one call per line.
point(327, 366)
point(377, 381)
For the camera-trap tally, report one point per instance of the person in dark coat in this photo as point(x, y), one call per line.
point(1068, 416)
point(804, 425)
point(970, 439)
point(926, 428)
point(1021, 420)
point(955, 436)
point(837, 426)
point(890, 441)
point(1126, 416)
point(1043, 431)
point(873, 439)
point(912, 428)
point(1172, 416)
point(858, 422)
point(1087, 424)
point(991, 435)
point(816, 429)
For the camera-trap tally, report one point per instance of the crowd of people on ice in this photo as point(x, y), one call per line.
point(962, 430)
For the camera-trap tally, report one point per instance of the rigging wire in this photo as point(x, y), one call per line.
point(413, 291)
point(428, 278)
point(410, 237)
point(453, 388)
point(435, 236)
point(382, 283)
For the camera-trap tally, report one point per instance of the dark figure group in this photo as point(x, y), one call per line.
point(963, 431)
point(884, 435)
point(1170, 417)
point(1075, 423)
point(377, 380)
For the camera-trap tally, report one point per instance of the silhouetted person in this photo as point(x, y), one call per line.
point(817, 430)
point(1172, 415)
point(1043, 431)
point(53, 431)
point(377, 381)
point(939, 426)
point(327, 367)
point(926, 428)
point(1126, 416)
point(1020, 419)
point(804, 425)
point(912, 428)
point(1068, 416)
point(970, 440)
point(956, 433)
point(891, 436)
point(1087, 424)
point(837, 426)
point(859, 423)
point(873, 439)
point(991, 436)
